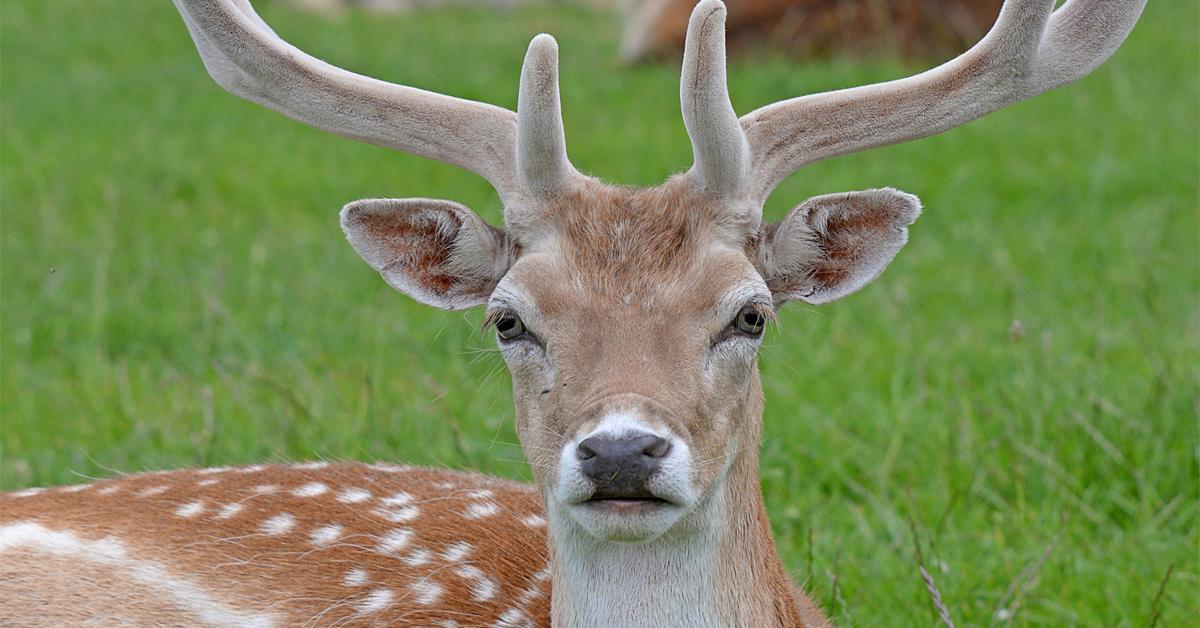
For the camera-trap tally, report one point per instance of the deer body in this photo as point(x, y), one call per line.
point(276, 545)
point(327, 544)
point(629, 319)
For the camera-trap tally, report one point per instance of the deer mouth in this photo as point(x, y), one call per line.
point(635, 501)
point(626, 514)
point(629, 505)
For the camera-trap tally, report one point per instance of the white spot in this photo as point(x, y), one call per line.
point(534, 521)
point(389, 468)
point(354, 495)
point(190, 510)
point(456, 552)
point(446, 486)
point(320, 464)
point(417, 557)
point(512, 618)
point(376, 601)
point(398, 515)
point(109, 490)
point(213, 470)
point(29, 492)
point(355, 578)
point(479, 510)
point(542, 575)
point(325, 535)
point(399, 499)
point(254, 468)
point(208, 482)
point(279, 524)
point(427, 591)
point(483, 588)
point(229, 510)
point(264, 489)
point(112, 553)
point(394, 540)
point(152, 491)
point(312, 489)
point(479, 494)
point(530, 594)
point(75, 488)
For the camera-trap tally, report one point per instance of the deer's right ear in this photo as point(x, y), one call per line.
point(438, 252)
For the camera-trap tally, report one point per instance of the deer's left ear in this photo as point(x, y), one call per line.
point(830, 246)
point(437, 252)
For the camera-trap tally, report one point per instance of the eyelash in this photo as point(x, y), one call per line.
point(764, 312)
point(495, 317)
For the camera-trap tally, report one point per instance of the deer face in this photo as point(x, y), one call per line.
point(628, 406)
point(631, 333)
point(630, 321)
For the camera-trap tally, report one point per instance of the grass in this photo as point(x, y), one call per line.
point(176, 292)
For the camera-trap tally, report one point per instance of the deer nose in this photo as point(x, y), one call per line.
point(621, 467)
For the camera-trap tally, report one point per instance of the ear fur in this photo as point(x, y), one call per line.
point(437, 252)
point(830, 246)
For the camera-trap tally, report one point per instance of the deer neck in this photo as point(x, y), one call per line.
point(717, 567)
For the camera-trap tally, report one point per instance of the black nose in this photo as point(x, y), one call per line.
point(621, 467)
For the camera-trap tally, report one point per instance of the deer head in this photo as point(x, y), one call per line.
point(630, 319)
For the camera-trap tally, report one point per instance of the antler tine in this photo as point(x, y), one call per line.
point(541, 143)
point(1081, 36)
point(718, 143)
point(248, 59)
point(1028, 51)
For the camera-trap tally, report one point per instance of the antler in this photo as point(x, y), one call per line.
point(1028, 51)
point(248, 59)
point(718, 143)
point(542, 145)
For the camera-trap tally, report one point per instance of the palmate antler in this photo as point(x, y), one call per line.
point(1032, 48)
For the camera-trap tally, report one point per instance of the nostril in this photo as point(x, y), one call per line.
point(658, 448)
point(585, 451)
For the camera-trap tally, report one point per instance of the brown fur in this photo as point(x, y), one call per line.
point(623, 240)
point(286, 576)
point(107, 594)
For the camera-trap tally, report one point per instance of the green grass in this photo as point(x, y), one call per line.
point(176, 292)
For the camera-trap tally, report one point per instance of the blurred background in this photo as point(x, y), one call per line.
point(655, 29)
point(1016, 397)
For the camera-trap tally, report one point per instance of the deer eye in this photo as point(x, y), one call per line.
point(509, 327)
point(750, 321)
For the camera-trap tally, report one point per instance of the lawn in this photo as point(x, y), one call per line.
point(1017, 395)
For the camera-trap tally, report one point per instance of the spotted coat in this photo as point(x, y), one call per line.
point(315, 544)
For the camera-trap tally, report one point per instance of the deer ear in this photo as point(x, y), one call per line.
point(830, 246)
point(437, 252)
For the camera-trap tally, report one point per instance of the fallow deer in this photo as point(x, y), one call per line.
point(630, 320)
